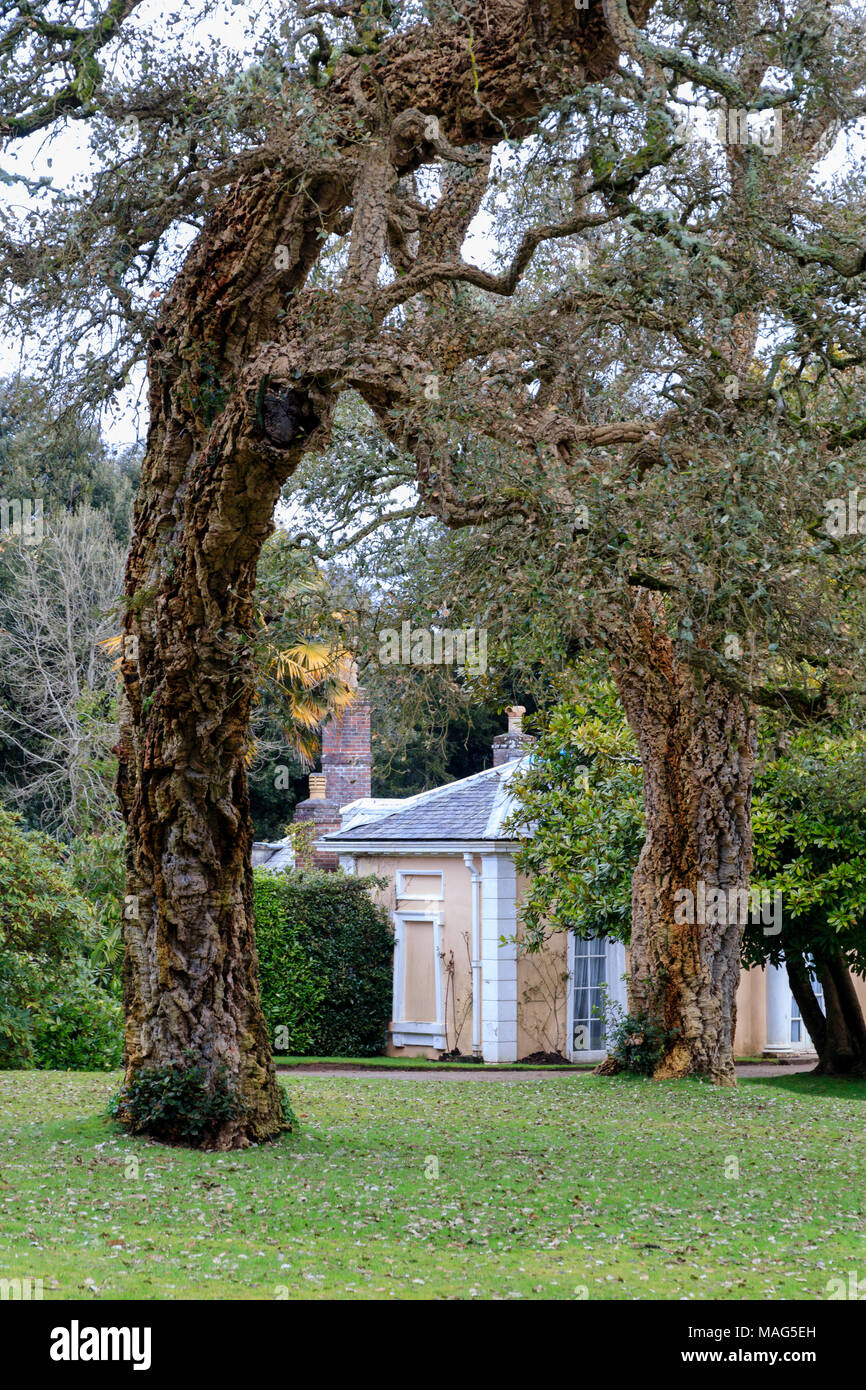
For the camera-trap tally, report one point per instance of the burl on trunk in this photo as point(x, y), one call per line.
point(697, 745)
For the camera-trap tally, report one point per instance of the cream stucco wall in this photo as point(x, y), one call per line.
point(542, 979)
point(456, 910)
point(542, 996)
point(751, 1030)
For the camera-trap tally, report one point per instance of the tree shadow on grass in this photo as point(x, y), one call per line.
point(806, 1083)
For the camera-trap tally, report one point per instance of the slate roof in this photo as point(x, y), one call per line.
point(275, 855)
point(471, 809)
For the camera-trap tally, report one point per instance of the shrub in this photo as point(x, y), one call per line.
point(41, 913)
point(635, 1042)
point(82, 1030)
point(175, 1103)
point(49, 1007)
point(20, 983)
point(96, 868)
point(325, 963)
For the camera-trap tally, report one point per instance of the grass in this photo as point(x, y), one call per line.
point(546, 1187)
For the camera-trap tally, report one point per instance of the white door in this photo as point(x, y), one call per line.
point(418, 995)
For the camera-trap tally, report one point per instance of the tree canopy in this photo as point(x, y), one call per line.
point(591, 279)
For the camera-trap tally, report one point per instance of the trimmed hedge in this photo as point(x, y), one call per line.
point(325, 963)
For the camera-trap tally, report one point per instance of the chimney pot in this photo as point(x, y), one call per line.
point(317, 786)
point(515, 743)
point(515, 718)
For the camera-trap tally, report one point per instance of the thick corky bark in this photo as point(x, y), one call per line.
point(697, 745)
point(223, 439)
point(244, 369)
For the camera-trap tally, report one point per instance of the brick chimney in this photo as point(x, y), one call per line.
point(346, 757)
point(345, 774)
point(514, 744)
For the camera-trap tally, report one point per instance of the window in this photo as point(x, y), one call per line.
point(420, 885)
point(590, 977)
point(798, 1029)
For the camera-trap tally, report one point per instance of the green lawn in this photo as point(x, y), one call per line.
point(546, 1187)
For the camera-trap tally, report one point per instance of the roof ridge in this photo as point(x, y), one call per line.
point(483, 797)
point(433, 792)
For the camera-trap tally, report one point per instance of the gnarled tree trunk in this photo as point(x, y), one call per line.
point(244, 369)
point(212, 476)
point(838, 1032)
point(697, 745)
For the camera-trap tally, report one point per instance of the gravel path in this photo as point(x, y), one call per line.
point(491, 1074)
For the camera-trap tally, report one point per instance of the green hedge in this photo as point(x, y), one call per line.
point(53, 1013)
point(81, 1030)
point(325, 963)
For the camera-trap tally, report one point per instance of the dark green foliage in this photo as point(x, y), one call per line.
point(582, 794)
point(272, 806)
point(809, 817)
point(80, 1030)
point(325, 963)
point(176, 1103)
point(443, 746)
point(635, 1042)
point(52, 1011)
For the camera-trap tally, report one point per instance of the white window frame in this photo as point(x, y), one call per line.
point(408, 1032)
point(403, 874)
point(804, 1042)
point(614, 968)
